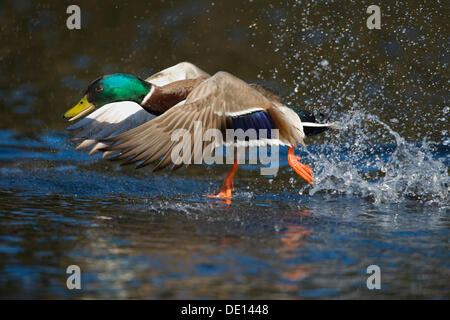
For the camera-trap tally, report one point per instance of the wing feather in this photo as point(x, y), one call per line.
point(110, 120)
point(180, 71)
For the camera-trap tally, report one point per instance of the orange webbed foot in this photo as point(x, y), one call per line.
point(301, 169)
point(224, 195)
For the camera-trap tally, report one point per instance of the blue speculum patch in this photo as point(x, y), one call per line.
point(256, 120)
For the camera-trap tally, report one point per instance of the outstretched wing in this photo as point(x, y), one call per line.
point(220, 102)
point(180, 71)
point(273, 96)
point(110, 120)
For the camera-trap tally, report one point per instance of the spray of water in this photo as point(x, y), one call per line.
point(352, 161)
point(386, 88)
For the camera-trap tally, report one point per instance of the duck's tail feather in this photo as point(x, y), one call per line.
point(329, 125)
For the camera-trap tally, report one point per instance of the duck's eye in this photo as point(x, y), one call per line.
point(99, 88)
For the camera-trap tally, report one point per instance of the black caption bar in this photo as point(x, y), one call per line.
point(208, 309)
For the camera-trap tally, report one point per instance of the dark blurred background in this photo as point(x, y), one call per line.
point(318, 55)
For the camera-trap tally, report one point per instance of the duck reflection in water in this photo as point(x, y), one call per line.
point(292, 244)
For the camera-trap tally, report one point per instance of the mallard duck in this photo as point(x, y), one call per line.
point(134, 119)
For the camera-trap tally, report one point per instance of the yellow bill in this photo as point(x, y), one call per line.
point(83, 107)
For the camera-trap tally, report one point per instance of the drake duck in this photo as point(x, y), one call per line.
point(134, 119)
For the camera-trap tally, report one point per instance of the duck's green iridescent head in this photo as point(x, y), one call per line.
point(108, 89)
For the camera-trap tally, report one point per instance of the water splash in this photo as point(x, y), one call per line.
point(388, 172)
point(382, 86)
